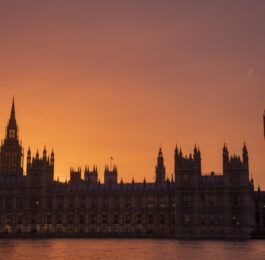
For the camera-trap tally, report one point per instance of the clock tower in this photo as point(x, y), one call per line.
point(11, 155)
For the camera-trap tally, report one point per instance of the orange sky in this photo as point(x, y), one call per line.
point(121, 78)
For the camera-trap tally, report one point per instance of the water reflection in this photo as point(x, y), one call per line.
point(144, 249)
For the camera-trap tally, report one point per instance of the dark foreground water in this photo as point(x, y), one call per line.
point(139, 249)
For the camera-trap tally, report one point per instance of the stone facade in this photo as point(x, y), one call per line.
point(189, 205)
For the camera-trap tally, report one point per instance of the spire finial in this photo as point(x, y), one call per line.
point(12, 120)
point(195, 149)
point(180, 151)
point(160, 151)
point(12, 115)
point(44, 152)
point(225, 147)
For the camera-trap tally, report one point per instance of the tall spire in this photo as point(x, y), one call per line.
point(12, 116)
point(160, 152)
point(176, 150)
point(12, 120)
point(245, 155)
point(12, 129)
point(44, 152)
point(160, 159)
point(225, 156)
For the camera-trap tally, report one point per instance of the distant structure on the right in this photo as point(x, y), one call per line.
point(260, 204)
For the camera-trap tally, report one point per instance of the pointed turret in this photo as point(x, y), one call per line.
point(160, 159)
point(12, 114)
point(195, 150)
point(52, 158)
point(176, 150)
point(160, 168)
point(178, 153)
point(245, 156)
point(160, 152)
point(91, 176)
point(12, 128)
point(197, 157)
point(252, 181)
point(110, 176)
point(44, 153)
point(29, 156)
point(225, 148)
point(225, 156)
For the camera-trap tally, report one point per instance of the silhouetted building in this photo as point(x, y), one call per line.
point(11, 157)
point(91, 176)
point(160, 168)
point(190, 205)
point(111, 176)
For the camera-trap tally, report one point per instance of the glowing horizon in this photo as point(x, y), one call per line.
point(101, 174)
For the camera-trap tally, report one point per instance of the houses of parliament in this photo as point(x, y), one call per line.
point(189, 205)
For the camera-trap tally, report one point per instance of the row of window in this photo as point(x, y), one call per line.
point(116, 219)
point(104, 219)
point(36, 203)
point(211, 219)
point(9, 204)
point(187, 201)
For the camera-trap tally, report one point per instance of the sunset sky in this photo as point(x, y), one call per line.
point(95, 79)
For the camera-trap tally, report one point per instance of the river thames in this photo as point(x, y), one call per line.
point(69, 249)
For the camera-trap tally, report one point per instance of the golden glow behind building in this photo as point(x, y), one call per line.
point(118, 80)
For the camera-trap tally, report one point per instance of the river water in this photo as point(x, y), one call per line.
point(140, 249)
